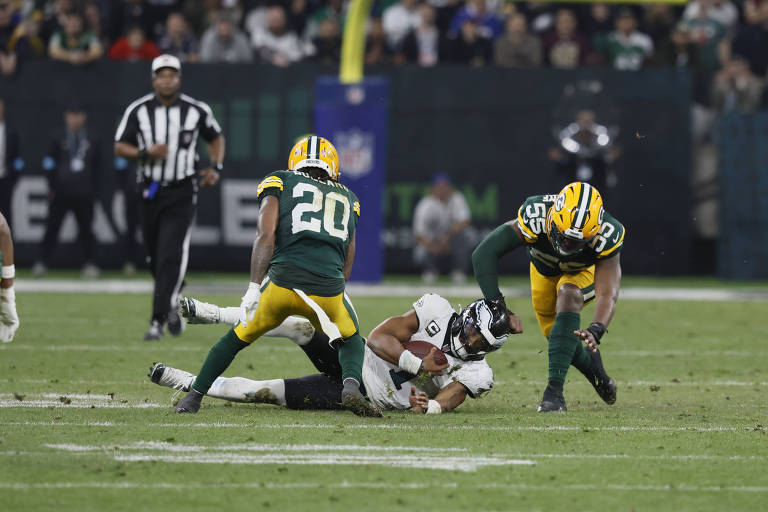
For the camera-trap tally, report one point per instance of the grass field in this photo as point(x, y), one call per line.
point(82, 428)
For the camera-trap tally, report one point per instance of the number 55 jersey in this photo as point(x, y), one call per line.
point(316, 224)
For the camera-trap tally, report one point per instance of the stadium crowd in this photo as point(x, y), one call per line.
point(722, 42)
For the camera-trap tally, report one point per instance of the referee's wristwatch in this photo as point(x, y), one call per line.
point(219, 167)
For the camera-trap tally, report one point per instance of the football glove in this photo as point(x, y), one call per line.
point(597, 329)
point(9, 319)
point(249, 303)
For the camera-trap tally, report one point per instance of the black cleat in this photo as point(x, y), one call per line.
point(190, 404)
point(552, 401)
point(603, 384)
point(353, 400)
point(155, 331)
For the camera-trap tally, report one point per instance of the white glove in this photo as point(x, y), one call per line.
point(9, 319)
point(249, 303)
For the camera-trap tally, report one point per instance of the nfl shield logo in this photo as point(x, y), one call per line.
point(186, 138)
point(355, 152)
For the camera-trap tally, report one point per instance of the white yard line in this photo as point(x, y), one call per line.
point(427, 428)
point(247, 447)
point(114, 286)
point(25, 486)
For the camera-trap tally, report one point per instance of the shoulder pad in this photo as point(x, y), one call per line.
point(532, 216)
point(611, 238)
point(431, 306)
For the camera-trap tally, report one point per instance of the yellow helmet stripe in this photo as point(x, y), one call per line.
point(586, 195)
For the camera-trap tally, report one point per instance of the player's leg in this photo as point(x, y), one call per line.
point(274, 306)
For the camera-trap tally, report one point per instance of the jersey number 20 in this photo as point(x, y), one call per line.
point(324, 205)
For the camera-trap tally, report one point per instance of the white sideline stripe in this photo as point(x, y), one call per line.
point(24, 486)
point(380, 290)
point(172, 447)
point(428, 428)
point(39, 404)
point(282, 345)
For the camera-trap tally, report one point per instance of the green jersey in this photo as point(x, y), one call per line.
point(316, 222)
point(532, 217)
point(628, 52)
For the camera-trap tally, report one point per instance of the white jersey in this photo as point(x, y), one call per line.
point(389, 387)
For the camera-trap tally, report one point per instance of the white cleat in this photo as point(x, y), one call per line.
point(171, 377)
point(198, 312)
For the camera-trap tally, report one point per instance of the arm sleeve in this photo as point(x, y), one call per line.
point(209, 127)
point(272, 185)
point(485, 258)
point(128, 129)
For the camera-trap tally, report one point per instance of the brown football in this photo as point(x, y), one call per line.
point(421, 348)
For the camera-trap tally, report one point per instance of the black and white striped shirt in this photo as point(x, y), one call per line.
point(146, 122)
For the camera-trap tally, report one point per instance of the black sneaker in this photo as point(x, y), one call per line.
point(175, 323)
point(190, 404)
point(155, 331)
point(552, 401)
point(353, 400)
point(603, 384)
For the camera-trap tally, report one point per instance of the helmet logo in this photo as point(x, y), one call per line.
point(560, 202)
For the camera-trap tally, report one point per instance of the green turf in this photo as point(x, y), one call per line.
point(688, 431)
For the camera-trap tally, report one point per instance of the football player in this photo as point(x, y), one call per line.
point(393, 377)
point(301, 259)
point(9, 319)
point(573, 246)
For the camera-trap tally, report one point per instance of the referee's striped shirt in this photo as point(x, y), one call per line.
point(146, 122)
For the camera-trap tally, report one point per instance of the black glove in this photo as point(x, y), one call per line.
point(597, 329)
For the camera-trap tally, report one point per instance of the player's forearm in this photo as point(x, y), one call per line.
point(263, 250)
point(125, 150)
point(485, 258)
point(386, 346)
point(6, 247)
point(216, 149)
point(605, 305)
point(451, 396)
point(350, 257)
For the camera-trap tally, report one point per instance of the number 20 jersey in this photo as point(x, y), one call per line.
point(389, 387)
point(316, 223)
point(532, 218)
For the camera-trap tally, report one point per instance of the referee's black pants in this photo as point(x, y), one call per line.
point(166, 227)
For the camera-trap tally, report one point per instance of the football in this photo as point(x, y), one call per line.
point(421, 348)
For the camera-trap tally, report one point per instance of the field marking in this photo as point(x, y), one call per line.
point(145, 286)
point(70, 400)
point(396, 456)
point(440, 427)
point(25, 486)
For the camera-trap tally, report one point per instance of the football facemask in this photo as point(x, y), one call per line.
point(575, 218)
point(480, 328)
point(314, 151)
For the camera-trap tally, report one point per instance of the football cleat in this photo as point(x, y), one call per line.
point(552, 401)
point(575, 218)
point(198, 312)
point(353, 400)
point(314, 151)
point(190, 404)
point(155, 331)
point(175, 323)
point(603, 384)
point(170, 377)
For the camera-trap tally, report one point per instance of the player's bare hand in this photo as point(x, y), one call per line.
point(158, 151)
point(588, 338)
point(419, 401)
point(431, 366)
point(515, 323)
point(209, 177)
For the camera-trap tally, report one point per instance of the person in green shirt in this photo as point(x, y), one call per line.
point(573, 246)
point(301, 260)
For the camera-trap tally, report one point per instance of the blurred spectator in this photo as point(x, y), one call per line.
point(54, 16)
point(677, 50)
point(94, 22)
point(223, 42)
point(75, 44)
point(446, 10)
point(586, 152)
point(599, 24)
point(177, 40)
point(736, 89)
point(128, 186)
point(752, 11)
point(469, 48)
point(125, 13)
point(752, 40)
point(133, 46)
point(440, 223)
point(278, 45)
point(72, 165)
point(424, 44)
point(10, 163)
point(659, 21)
point(708, 33)
point(8, 57)
point(564, 47)
point(489, 24)
point(399, 19)
point(327, 43)
point(517, 48)
point(25, 41)
point(627, 49)
point(377, 50)
point(721, 11)
point(333, 9)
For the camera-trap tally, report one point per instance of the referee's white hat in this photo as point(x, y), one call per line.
point(166, 61)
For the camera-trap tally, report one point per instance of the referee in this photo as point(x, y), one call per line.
point(161, 130)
